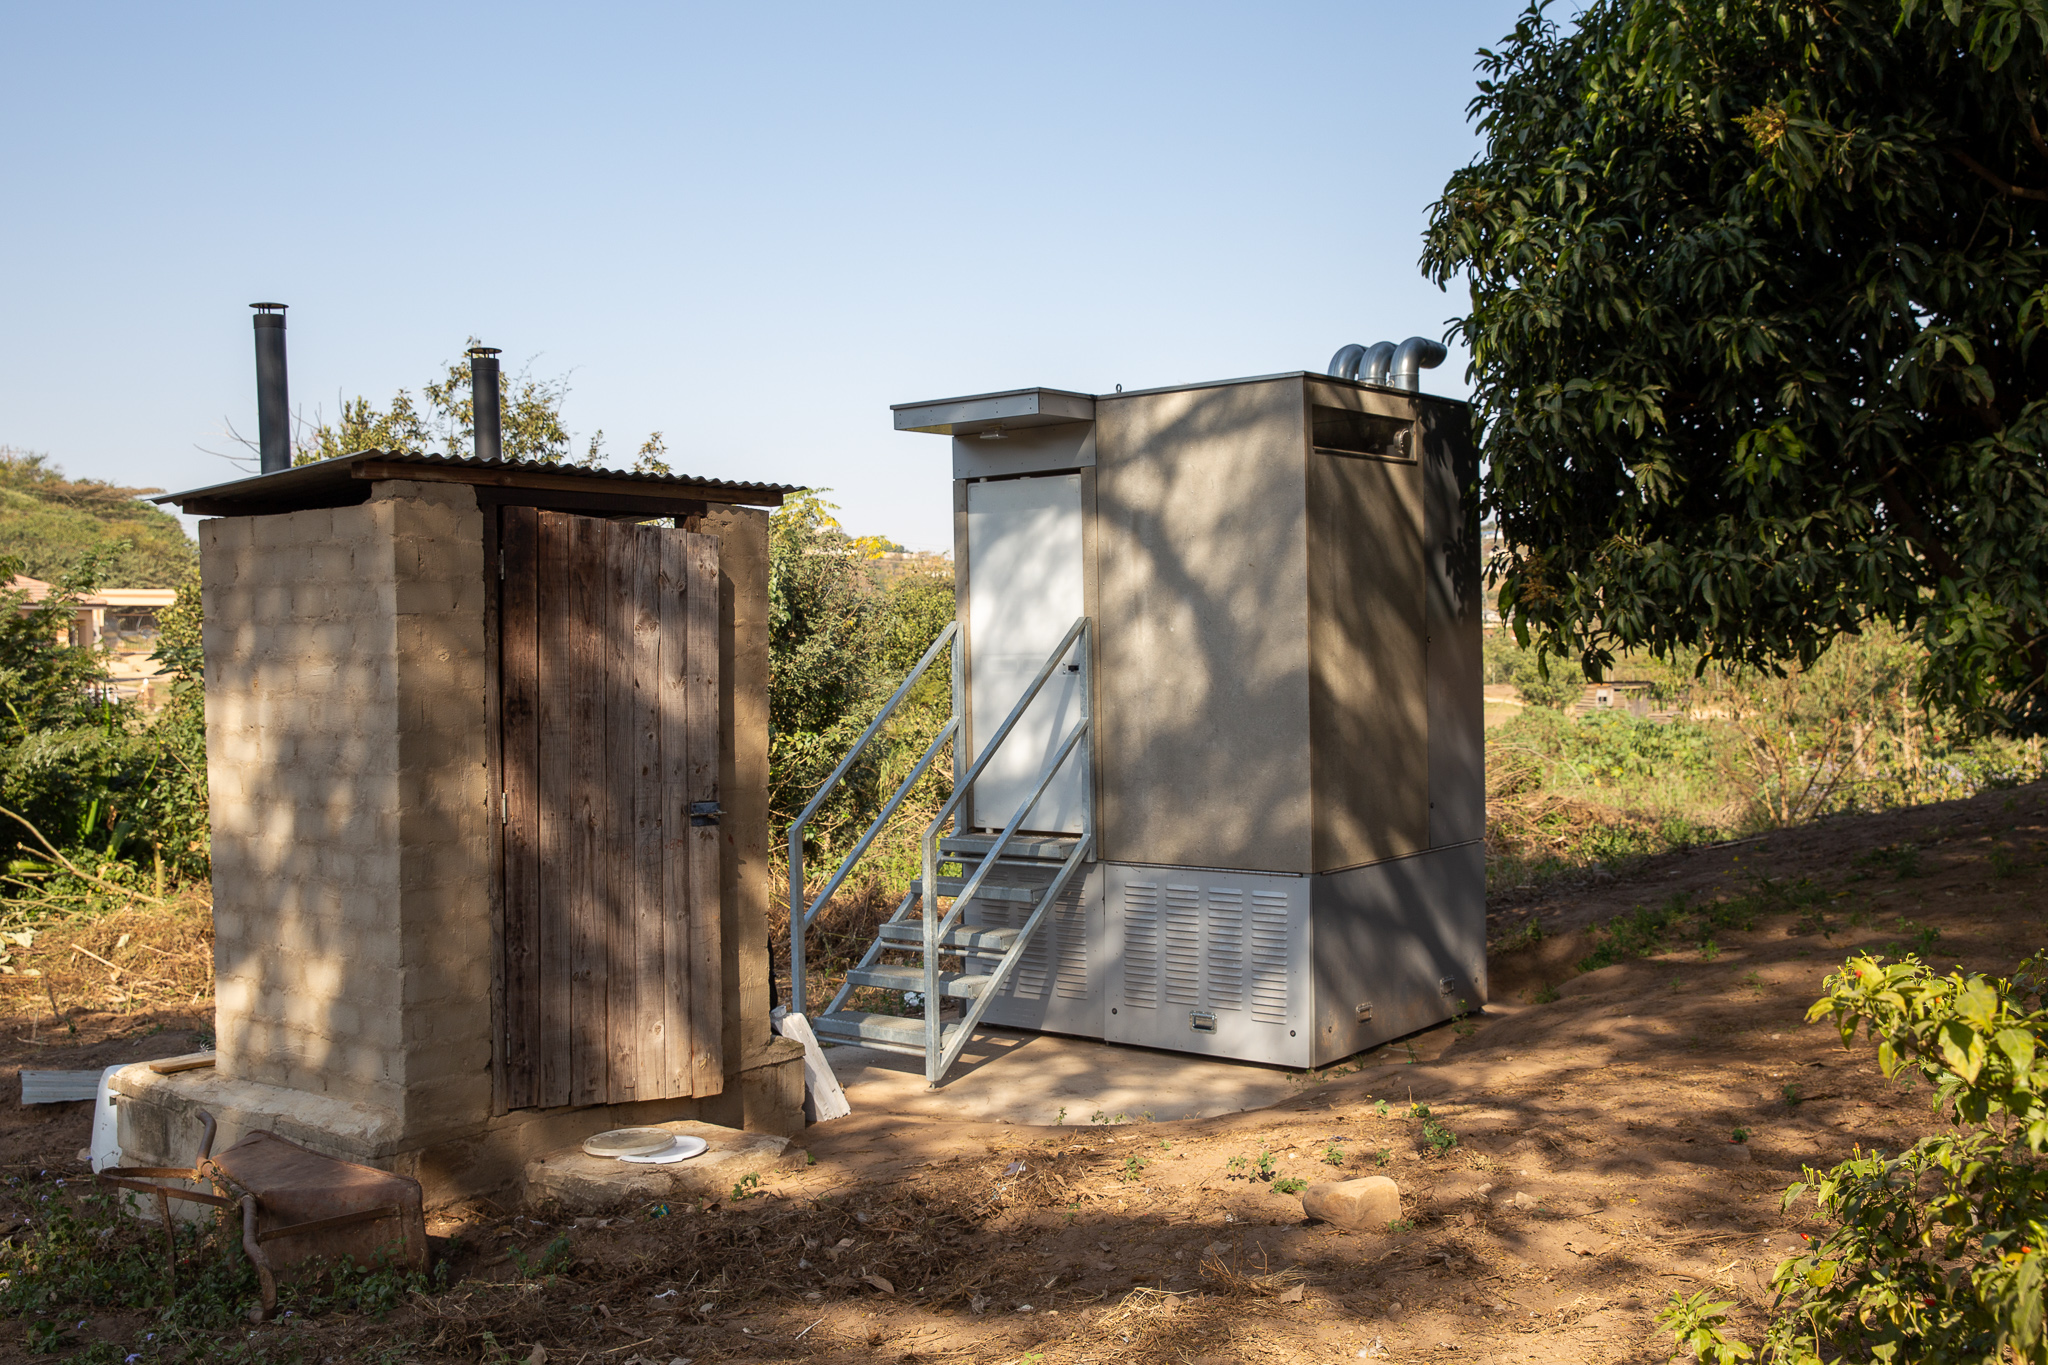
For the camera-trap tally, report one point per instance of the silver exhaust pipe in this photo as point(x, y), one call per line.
point(1374, 368)
point(1344, 364)
point(1415, 355)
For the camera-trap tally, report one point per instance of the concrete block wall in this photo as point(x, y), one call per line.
point(346, 749)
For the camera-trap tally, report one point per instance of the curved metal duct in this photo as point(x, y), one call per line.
point(1415, 355)
point(1374, 368)
point(1344, 364)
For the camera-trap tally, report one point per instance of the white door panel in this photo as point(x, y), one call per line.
point(1024, 592)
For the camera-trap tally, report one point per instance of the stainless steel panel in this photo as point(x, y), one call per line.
point(1208, 962)
point(1015, 409)
point(1024, 568)
point(1387, 939)
point(1452, 602)
point(1054, 987)
point(1037, 450)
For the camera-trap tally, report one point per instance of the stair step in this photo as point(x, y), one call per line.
point(910, 934)
point(1021, 895)
point(893, 1032)
point(955, 984)
point(1024, 847)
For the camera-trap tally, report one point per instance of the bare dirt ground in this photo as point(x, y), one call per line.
point(1594, 1170)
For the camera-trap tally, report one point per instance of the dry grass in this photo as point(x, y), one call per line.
point(122, 957)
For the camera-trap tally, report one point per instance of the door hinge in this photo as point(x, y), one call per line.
point(501, 566)
point(504, 807)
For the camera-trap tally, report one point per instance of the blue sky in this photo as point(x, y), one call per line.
point(752, 228)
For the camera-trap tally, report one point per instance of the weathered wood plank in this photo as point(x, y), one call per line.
point(589, 614)
point(707, 1056)
point(672, 707)
point(519, 778)
point(618, 878)
point(554, 813)
point(643, 866)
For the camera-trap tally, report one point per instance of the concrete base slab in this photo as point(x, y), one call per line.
point(158, 1125)
point(1036, 1077)
point(581, 1183)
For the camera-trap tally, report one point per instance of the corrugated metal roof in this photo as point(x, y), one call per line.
point(302, 481)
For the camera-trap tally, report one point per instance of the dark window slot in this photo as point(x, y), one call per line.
point(1340, 431)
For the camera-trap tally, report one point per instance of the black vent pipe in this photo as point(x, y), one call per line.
point(273, 402)
point(483, 401)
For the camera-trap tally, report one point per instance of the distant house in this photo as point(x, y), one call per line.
point(123, 621)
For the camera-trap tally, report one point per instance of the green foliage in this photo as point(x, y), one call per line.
point(840, 644)
point(1648, 930)
point(1937, 1253)
point(1438, 1138)
point(1289, 1184)
point(1756, 298)
point(93, 774)
point(443, 421)
point(1333, 1155)
point(54, 525)
point(1695, 1323)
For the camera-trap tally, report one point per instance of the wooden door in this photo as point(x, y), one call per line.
point(609, 983)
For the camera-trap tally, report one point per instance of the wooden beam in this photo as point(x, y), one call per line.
point(566, 483)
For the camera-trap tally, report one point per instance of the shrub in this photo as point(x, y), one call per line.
point(1940, 1252)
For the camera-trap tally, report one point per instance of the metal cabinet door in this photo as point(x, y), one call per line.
point(1024, 591)
point(1208, 962)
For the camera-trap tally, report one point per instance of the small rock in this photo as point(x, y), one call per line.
point(1522, 1201)
point(1367, 1203)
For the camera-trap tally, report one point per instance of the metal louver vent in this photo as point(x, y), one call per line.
point(1069, 917)
point(1269, 957)
point(1141, 945)
point(1183, 927)
point(1225, 964)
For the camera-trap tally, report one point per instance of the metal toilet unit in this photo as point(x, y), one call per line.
point(1252, 764)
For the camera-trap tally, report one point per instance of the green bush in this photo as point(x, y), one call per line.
point(98, 777)
point(1938, 1253)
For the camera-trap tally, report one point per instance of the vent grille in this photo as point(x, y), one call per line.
point(1069, 923)
point(1141, 945)
point(1226, 948)
point(1269, 957)
point(1183, 933)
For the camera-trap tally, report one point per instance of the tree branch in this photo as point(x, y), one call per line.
point(2034, 132)
point(1917, 530)
point(1991, 178)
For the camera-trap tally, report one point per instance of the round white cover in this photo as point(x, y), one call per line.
point(682, 1149)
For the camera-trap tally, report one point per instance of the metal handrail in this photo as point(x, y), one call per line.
point(800, 916)
point(965, 784)
point(933, 932)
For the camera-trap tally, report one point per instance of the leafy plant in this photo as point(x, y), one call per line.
point(1544, 994)
point(1401, 1225)
point(1438, 1138)
point(1695, 1323)
point(1755, 292)
point(1739, 1135)
point(1940, 1252)
point(557, 1252)
point(1288, 1184)
point(749, 1185)
point(1333, 1155)
point(1134, 1167)
point(1264, 1167)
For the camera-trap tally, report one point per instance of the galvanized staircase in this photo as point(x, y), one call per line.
point(1030, 871)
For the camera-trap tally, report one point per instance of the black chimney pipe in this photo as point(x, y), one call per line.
point(484, 416)
point(273, 403)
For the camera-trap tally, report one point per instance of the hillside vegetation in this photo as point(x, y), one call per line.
point(52, 524)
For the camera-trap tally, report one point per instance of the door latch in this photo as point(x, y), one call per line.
point(704, 813)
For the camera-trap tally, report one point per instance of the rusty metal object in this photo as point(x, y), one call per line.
point(312, 1205)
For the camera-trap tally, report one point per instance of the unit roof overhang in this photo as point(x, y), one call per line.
point(346, 481)
point(1014, 409)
